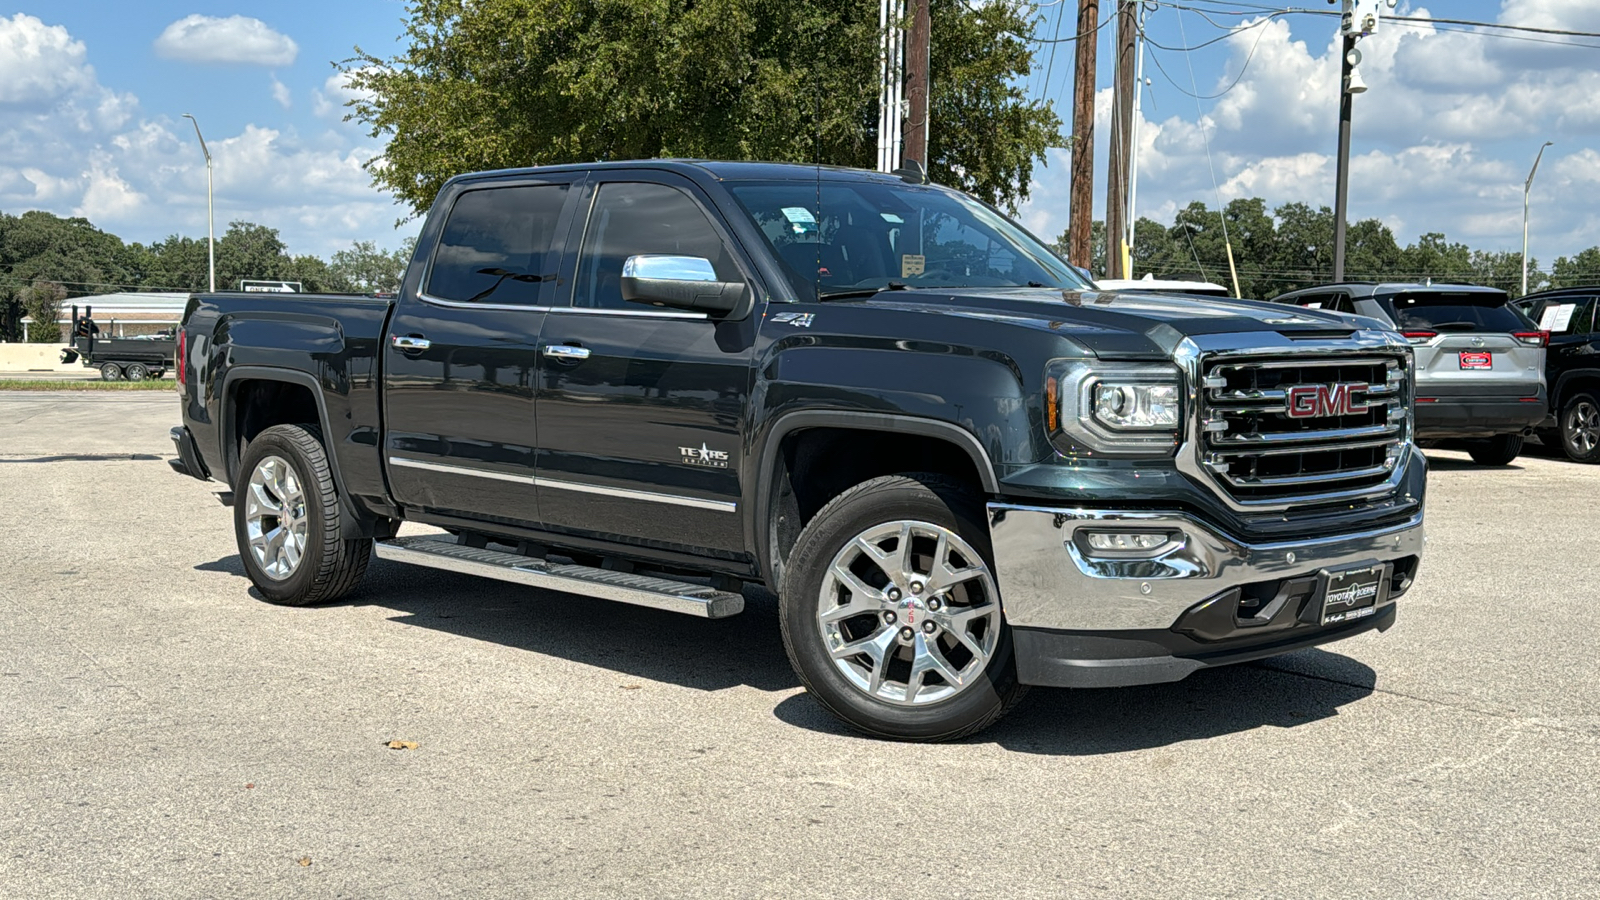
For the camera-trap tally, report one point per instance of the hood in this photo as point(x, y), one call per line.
point(1112, 323)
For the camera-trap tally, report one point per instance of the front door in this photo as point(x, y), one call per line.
point(640, 409)
point(462, 356)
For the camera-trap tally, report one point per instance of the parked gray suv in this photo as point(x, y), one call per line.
point(1480, 360)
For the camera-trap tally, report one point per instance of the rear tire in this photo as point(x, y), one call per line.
point(1580, 428)
point(137, 372)
point(286, 520)
point(1499, 450)
point(110, 372)
point(936, 661)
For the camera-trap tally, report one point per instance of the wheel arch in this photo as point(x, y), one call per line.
point(1573, 382)
point(291, 408)
point(779, 511)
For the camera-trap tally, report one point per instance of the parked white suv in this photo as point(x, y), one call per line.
point(1480, 360)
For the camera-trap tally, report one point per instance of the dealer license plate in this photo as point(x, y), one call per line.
point(1351, 594)
point(1477, 359)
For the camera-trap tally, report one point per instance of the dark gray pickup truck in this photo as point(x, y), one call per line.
point(961, 468)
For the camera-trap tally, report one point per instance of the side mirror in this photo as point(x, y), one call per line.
point(679, 282)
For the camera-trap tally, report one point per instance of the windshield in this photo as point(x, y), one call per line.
point(839, 237)
point(1459, 311)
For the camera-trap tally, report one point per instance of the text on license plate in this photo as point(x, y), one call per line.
point(1477, 359)
point(1351, 595)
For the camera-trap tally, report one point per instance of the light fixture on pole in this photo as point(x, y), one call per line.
point(1527, 188)
point(211, 230)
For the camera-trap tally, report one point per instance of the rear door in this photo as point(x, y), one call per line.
point(1574, 343)
point(461, 355)
point(1469, 344)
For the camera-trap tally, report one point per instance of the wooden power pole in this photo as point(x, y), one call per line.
point(1117, 167)
point(1080, 214)
point(918, 59)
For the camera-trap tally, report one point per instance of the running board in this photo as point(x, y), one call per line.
point(623, 587)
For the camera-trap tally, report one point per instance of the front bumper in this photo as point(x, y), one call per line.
point(1206, 599)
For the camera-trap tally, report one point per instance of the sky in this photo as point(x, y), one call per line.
point(92, 96)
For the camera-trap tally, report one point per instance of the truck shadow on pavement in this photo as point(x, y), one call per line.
point(747, 650)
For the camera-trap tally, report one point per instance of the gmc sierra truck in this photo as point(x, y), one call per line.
point(961, 468)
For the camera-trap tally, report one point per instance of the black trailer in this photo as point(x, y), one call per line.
point(134, 359)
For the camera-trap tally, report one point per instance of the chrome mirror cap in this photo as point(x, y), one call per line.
point(661, 267)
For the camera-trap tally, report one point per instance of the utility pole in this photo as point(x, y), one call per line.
point(1359, 20)
point(918, 59)
point(1527, 188)
point(1080, 214)
point(1133, 145)
point(1118, 166)
point(891, 49)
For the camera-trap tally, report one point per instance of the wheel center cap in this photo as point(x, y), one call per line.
point(913, 610)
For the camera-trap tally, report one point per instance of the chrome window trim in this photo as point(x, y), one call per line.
point(646, 313)
point(579, 487)
point(462, 304)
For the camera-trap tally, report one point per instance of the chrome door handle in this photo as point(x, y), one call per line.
point(566, 351)
point(410, 342)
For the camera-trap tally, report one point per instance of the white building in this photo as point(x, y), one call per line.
point(124, 313)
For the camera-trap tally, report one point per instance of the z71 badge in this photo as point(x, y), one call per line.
point(704, 456)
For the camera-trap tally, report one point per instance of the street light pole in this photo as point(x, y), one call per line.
point(211, 226)
point(1527, 188)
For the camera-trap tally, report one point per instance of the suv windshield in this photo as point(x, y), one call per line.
point(841, 237)
point(1456, 311)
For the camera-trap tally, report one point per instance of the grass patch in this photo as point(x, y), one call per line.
point(44, 385)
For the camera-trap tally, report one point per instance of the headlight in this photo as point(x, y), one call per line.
point(1114, 409)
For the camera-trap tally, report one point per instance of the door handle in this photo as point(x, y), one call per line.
point(566, 351)
point(410, 342)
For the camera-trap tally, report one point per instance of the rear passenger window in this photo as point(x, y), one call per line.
point(1567, 315)
point(496, 245)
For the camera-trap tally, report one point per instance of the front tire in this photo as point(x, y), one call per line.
point(890, 612)
point(1499, 450)
point(286, 520)
point(1580, 428)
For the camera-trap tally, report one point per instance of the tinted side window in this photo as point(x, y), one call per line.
point(1567, 315)
point(1329, 302)
point(496, 245)
point(634, 218)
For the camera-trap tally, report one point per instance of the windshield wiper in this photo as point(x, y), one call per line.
point(860, 292)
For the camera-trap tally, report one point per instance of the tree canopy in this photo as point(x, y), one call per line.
point(1291, 247)
point(491, 84)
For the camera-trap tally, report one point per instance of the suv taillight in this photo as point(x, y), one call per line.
point(183, 344)
point(1420, 337)
point(1533, 338)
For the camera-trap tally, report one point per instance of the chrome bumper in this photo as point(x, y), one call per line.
point(1048, 581)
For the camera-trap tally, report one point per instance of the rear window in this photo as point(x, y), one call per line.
point(1456, 311)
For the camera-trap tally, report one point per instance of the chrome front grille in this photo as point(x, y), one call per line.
point(1294, 430)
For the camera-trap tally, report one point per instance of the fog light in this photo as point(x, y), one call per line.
point(1126, 543)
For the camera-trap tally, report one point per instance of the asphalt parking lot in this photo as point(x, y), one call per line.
point(165, 734)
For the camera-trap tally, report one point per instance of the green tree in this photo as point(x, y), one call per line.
point(42, 302)
point(495, 83)
point(366, 268)
point(39, 246)
point(1576, 271)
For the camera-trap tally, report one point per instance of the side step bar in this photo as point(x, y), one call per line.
point(623, 587)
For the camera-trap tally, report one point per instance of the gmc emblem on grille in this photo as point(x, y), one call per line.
point(1308, 401)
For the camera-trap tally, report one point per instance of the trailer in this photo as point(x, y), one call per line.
point(132, 359)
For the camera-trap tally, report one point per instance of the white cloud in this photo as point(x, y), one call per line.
point(280, 93)
point(236, 39)
point(329, 101)
point(39, 63)
point(1442, 140)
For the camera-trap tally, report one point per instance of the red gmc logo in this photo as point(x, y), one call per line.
point(1307, 401)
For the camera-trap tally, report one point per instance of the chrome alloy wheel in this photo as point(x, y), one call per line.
point(1583, 427)
point(275, 517)
point(909, 613)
